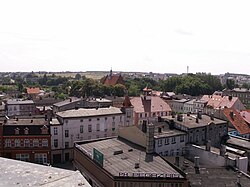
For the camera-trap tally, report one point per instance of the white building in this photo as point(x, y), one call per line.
point(189, 106)
point(178, 105)
point(84, 124)
point(169, 142)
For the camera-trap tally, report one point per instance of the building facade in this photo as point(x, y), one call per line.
point(26, 140)
point(83, 124)
point(17, 107)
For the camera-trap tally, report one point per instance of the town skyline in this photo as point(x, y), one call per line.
point(148, 37)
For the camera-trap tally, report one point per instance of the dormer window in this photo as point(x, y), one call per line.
point(17, 131)
point(26, 130)
point(44, 129)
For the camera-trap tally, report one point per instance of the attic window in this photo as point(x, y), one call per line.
point(44, 130)
point(17, 131)
point(26, 130)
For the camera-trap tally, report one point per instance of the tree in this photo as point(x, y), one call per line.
point(230, 84)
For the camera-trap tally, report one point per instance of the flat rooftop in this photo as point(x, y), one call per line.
point(207, 176)
point(165, 130)
point(190, 121)
point(35, 121)
point(124, 163)
point(239, 142)
point(83, 112)
point(19, 173)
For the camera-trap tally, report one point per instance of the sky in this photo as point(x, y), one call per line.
point(146, 36)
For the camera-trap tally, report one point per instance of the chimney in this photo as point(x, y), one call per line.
point(31, 121)
point(232, 115)
point(196, 165)
point(144, 126)
point(70, 99)
point(150, 139)
point(16, 119)
point(197, 119)
point(199, 114)
point(223, 150)
point(159, 130)
point(188, 114)
point(208, 145)
point(171, 124)
point(179, 117)
point(230, 98)
point(177, 161)
point(212, 116)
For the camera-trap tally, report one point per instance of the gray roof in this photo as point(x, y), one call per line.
point(19, 102)
point(210, 176)
point(125, 162)
point(180, 101)
point(239, 142)
point(190, 121)
point(82, 112)
point(35, 121)
point(19, 173)
point(66, 102)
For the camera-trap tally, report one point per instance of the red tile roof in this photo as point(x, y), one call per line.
point(239, 123)
point(217, 101)
point(33, 90)
point(112, 79)
point(126, 102)
point(157, 105)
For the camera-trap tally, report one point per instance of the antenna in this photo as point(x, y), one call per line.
point(187, 69)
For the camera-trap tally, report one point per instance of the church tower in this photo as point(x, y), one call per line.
point(128, 109)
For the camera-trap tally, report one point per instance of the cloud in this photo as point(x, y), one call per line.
point(184, 32)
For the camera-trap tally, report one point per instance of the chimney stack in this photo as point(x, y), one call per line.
point(212, 116)
point(150, 139)
point(208, 145)
point(177, 161)
point(196, 165)
point(223, 150)
point(230, 98)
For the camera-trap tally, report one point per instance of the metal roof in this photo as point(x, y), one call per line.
point(82, 112)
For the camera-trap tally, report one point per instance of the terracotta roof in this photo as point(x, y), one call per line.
point(234, 117)
point(112, 79)
point(217, 101)
point(246, 115)
point(33, 90)
point(126, 102)
point(157, 105)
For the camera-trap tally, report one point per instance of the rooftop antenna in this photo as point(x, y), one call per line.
point(187, 69)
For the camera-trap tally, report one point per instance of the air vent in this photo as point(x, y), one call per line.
point(117, 152)
point(137, 165)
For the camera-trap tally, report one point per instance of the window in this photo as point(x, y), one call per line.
point(140, 115)
point(81, 120)
point(113, 126)
point(35, 142)
point(159, 142)
point(97, 127)
point(146, 115)
point(66, 133)
point(44, 129)
point(81, 129)
point(182, 138)
point(166, 153)
point(26, 130)
point(97, 136)
point(66, 144)
point(89, 119)
point(173, 140)
point(113, 118)
point(66, 121)
point(90, 128)
point(98, 119)
point(172, 152)
point(17, 131)
point(7, 143)
point(197, 138)
point(55, 142)
point(41, 158)
point(106, 118)
point(26, 143)
point(22, 157)
point(17, 143)
point(45, 143)
point(55, 131)
point(166, 141)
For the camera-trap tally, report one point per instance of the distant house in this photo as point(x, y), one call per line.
point(216, 102)
point(238, 125)
point(148, 107)
point(242, 93)
point(112, 79)
point(17, 107)
point(33, 92)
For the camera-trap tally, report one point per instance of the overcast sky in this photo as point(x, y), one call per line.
point(158, 36)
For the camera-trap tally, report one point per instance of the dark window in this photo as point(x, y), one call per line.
point(66, 133)
point(55, 142)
